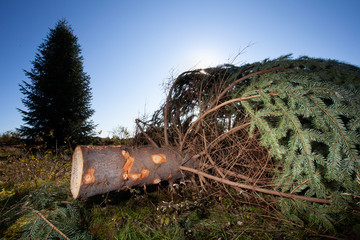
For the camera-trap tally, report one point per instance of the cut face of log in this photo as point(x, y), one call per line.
point(100, 169)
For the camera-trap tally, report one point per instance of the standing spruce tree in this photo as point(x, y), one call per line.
point(58, 95)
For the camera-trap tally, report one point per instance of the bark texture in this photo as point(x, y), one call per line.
point(100, 169)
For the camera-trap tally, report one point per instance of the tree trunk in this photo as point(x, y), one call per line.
point(100, 169)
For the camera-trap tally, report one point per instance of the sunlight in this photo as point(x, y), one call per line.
point(204, 72)
point(204, 58)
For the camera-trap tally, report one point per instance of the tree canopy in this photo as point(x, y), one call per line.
point(58, 95)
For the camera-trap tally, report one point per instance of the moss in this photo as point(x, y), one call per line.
point(16, 229)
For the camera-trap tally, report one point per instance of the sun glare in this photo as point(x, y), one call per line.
point(204, 58)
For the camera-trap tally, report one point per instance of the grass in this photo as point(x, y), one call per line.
point(160, 214)
point(39, 183)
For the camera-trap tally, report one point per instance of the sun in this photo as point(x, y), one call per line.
point(204, 58)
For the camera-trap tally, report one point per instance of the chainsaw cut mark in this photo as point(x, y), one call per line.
point(89, 176)
point(128, 164)
point(158, 158)
point(156, 181)
point(144, 173)
point(135, 176)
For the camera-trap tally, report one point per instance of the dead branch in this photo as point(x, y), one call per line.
point(223, 136)
point(241, 80)
point(146, 135)
point(216, 108)
point(231, 173)
point(217, 99)
point(256, 189)
point(166, 110)
point(211, 161)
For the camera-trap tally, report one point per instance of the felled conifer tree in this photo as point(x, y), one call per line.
point(58, 95)
point(304, 111)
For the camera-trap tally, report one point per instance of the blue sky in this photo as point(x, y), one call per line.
point(131, 47)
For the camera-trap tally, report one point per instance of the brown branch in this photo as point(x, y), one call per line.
point(47, 221)
point(241, 80)
point(233, 174)
point(256, 189)
point(216, 108)
point(146, 135)
point(210, 159)
point(268, 158)
point(217, 99)
point(177, 130)
point(223, 136)
point(166, 109)
point(219, 170)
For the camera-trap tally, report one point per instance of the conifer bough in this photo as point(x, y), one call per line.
point(284, 127)
point(100, 169)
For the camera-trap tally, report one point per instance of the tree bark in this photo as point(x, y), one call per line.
point(100, 169)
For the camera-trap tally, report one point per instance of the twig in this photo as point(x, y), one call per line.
point(262, 169)
point(218, 97)
point(233, 174)
point(223, 136)
point(210, 159)
point(216, 108)
point(47, 221)
point(177, 130)
point(241, 80)
point(146, 135)
point(166, 109)
point(257, 189)
point(32, 228)
point(307, 180)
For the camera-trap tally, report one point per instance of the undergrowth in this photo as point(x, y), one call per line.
point(180, 211)
point(163, 214)
point(37, 204)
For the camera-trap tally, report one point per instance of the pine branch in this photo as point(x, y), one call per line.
point(47, 221)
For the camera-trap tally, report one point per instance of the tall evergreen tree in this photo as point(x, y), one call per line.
point(58, 95)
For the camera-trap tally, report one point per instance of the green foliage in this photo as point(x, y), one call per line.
point(118, 136)
point(120, 133)
point(52, 202)
point(161, 215)
point(58, 95)
point(9, 138)
point(66, 217)
point(33, 168)
point(310, 123)
point(156, 214)
point(31, 179)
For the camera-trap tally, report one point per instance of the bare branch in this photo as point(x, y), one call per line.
point(146, 135)
point(216, 108)
point(256, 189)
point(166, 110)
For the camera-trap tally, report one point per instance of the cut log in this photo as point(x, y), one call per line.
point(100, 169)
